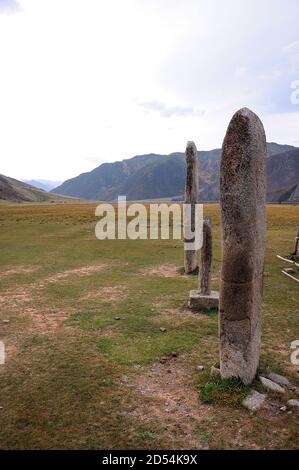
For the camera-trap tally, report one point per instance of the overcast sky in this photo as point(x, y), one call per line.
point(85, 82)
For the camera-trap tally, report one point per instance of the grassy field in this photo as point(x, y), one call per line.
point(81, 322)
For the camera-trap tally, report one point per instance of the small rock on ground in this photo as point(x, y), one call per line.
point(294, 389)
point(200, 368)
point(274, 387)
point(163, 359)
point(279, 379)
point(254, 400)
point(289, 270)
point(293, 403)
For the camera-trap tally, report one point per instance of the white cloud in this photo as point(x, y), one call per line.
point(9, 6)
point(169, 111)
point(278, 131)
point(241, 72)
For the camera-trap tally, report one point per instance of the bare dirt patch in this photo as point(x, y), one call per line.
point(33, 322)
point(21, 295)
point(108, 293)
point(84, 271)
point(45, 321)
point(18, 270)
point(40, 321)
point(167, 396)
point(14, 297)
point(165, 270)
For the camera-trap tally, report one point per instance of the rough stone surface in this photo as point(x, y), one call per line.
point(191, 192)
point(293, 403)
point(204, 298)
point(206, 259)
point(274, 387)
point(198, 301)
point(243, 218)
point(279, 379)
point(254, 400)
point(215, 371)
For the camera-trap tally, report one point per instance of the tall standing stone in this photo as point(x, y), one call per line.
point(191, 192)
point(243, 218)
point(206, 258)
point(204, 298)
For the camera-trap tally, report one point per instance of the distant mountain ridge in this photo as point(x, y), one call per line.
point(155, 176)
point(46, 185)
point(283, 176)
point(12, 190)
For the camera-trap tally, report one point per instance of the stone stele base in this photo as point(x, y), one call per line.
point(198, 300)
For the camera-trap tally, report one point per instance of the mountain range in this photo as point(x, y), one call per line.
point(155, 176)
point(17, 191)
point(46, 185)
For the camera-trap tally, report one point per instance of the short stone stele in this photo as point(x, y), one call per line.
point(205, 298)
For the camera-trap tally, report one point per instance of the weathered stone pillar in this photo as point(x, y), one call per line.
point(191, 193)
point(243, 218)
point(204, 298)
point(206, 259)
